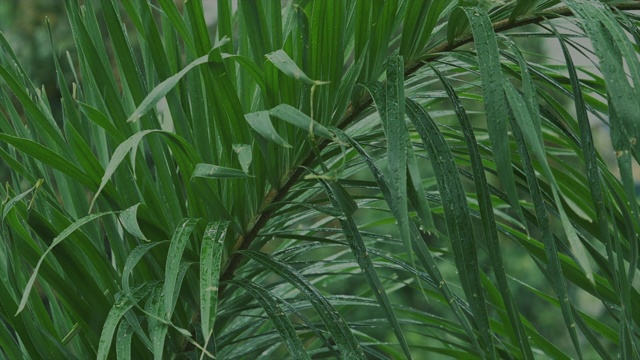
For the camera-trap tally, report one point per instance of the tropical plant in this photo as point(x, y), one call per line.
point(324, 179)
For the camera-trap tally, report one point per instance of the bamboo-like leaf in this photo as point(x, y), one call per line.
point(261, 123)
point(116, 159)
point(284, 63)
point(171, 11)
point(254, 70)
point(123, 341)
point(210, 263)
point(133, 259)
point(174, 256)
point(427, 227)
point(550, 247)
point(488, 220)
point(101, 120)
point(8, 205)
point(129, 221)
point(299, 119)
point(523, 7)
point(458, 218)
point(245, 156)
point(526, 122)
point(495, 102)
point(163, 88)
point(50, 132)
point(49, 157)
point(122, 305)
point(612, 47)
point(359, 250)
point(57, 240)
point(397, 135)
point(157, 329)
point(282, 324)
point(390, 105)
point(217, 172)
point(257, 31)
point(182, 152)
point(345, 339)
point(9, 346)
point(423, 253)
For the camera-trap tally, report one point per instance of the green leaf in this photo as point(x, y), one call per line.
point(157, 329)
point(488, 220)
point(526, 123)
point(245, 156)
point(390, 105)
point(458, 218)
point(101, 120)
point(261, 123)
point(495, 102)
point(299, 119)
point(359, 250)
point(8, 205)
point(43, 121)
point(254, 70)
point(523, 7)
point(129, 221)
point(167, 85)
point(210, 263)
point(57, 240)
point(344, 338)
point(281, 322)
point(123, 341)
point(120, 307)
point(209, 171)
point(174, 256)
point(551, 250)
point(283, 62)
point(49, 157)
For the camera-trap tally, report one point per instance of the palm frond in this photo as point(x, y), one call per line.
point(359, 179)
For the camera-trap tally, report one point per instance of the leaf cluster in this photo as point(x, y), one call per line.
point(324, 179)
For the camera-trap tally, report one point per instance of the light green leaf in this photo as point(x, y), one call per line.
point(283, 62)
point(123, 341)
point(261, 123)
point(8, 205)
point(210, 263)
point(174, 256)
point(167, 85)
point(297, 118)
point(217, 172)
point(129, 221)
point(245, 156)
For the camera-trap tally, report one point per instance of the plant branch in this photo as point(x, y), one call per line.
point(353, 112)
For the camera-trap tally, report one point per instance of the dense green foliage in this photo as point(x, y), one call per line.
point(324, 179)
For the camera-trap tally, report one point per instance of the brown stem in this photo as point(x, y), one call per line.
point(274, 196)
